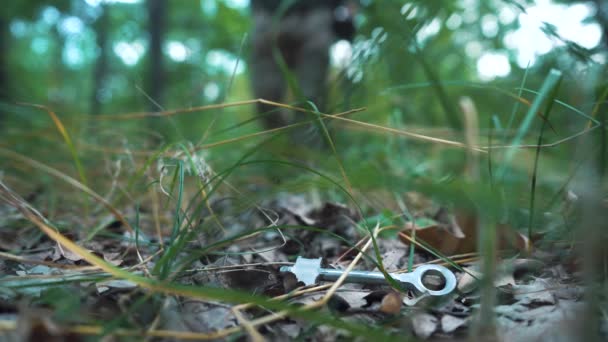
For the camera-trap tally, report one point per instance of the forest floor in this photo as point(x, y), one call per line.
point(61, 283)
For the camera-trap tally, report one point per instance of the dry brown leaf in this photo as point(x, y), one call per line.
point(113, 258)
point(457, 234)
point(391, 303)
point(62, 251)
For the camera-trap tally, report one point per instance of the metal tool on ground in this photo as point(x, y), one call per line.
point(309, 271)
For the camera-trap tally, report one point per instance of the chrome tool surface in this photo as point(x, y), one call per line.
point(309, 271)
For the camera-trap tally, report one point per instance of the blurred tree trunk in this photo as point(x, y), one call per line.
point(157, 10)
point(101, 67)
point(4, 86)
point(602, 18)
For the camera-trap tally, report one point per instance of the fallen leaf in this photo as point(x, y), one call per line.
point(391, 303)
point(469, 280)
point(113, 258)
point(171, 315)
point(292, 330)
point(449, 222)
point(457, 234)
point(61, 251)
point(507, 273)
point(395, 255)
point(561, 322)
point(450, 323)
point(103, 286)
point(335, 217)
point(337, 304)
point(535, 293)
point(39, 269)
point(290, 282)
point(201, 316)
point(424, 325)
point(374, 297)
point(252, 280)
point(569, 292)
point(355, 297)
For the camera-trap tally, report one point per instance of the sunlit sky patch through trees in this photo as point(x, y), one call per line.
point(524, 45)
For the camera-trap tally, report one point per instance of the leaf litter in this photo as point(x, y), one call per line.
point(536, 294)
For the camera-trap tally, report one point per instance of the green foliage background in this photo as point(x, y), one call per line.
point(404, 81)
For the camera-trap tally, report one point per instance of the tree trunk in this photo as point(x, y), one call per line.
point(602, 18)
point(156, 30)
point(4, 86)
point(101, 66)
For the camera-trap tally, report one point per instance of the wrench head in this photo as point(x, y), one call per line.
point(417, 279)
point(306, 270)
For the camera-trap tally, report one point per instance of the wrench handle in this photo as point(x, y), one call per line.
point(363, 277)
